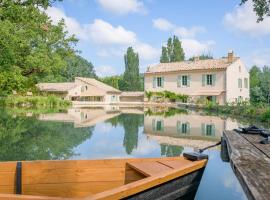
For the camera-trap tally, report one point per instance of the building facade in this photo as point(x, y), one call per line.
point(82, 89)
point(224, 80)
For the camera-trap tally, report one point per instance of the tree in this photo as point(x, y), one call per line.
point(32, 49)
point(131, 78)
point(260, 7)
point(164, 58)
point(265, 83)
point(78, 67)
point(173, 52)
point(178, 52)
point(202, 57)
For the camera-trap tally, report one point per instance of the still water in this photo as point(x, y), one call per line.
point(121, 132)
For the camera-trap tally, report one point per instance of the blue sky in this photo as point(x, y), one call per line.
point(105, 28)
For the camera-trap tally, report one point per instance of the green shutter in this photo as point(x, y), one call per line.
point(162, 125)
point(188, 128)
point(203, 128)
point(203, 79)
point(162, 81)
point(213, 130)
point(179, 81)
point(179, 127)
point(188, 80)
point(154, 82)
point(214, 77)
point(153, 124)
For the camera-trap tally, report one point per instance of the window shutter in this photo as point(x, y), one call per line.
point(162, 125)
point(179, 127)
point(162, 81)
point(203, 79)
point(213, 130)
point(154, 82)
point(188, 80)
point(179, 81)
point(203, 129)
point(153, 124)
point(188, 128)
point(214, 76)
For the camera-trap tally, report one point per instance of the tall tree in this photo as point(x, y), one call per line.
point(173, 52)
point(260, 7)
point(178, 51)
point(164, 58)
point(131, 76)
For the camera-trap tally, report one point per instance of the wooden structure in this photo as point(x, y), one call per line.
point(250, 161)
point(145, 178)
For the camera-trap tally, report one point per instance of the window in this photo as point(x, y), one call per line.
point(184, 80)
point(239, 83)
point(86, 87)
point(209, 79)
point(208, 129)
point(158, 125)
point(159, 82)
point(246, 82)
point(183, 128)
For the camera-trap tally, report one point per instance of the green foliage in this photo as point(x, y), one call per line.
point(202, 57)
point(173, 52)
point(259, 85)
point(260, 7)
point(32, 49)
point(131, 78)
point(113, 81)
point(34, 102)
point(171, 150)
point(148, 95)
point(78, 67)
point(167, 112)
point(171, 96)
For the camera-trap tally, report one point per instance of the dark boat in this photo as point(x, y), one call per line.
point(142, 178)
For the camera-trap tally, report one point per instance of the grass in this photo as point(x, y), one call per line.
point(34, 102)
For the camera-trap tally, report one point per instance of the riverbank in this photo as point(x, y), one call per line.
point(34, 102)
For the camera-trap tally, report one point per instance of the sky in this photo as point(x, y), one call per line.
point(106, 28)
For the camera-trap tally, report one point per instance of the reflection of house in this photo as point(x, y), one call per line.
point(193, 126)
point(132, 97)
point(219, 80)
point(82, 89)
point(82, 117)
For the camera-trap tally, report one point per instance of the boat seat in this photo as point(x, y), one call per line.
point(149, 168)
point(152, 168)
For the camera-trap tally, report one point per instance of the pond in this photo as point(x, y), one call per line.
point(121, 132)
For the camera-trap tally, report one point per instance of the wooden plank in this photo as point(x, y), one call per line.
point(175, 164)
point(251, 166)
point(255, 140)
point(149, 168)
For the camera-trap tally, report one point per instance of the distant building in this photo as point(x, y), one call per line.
point(217, 80)
point(82, 89)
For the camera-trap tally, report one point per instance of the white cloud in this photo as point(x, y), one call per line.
point(165, 25)
point(105, 70)
point(102, 32)
point(261, 57)
point(244, 20)
point(194, 47)
point(162, 24)
point(121, 7)
point(110, 40)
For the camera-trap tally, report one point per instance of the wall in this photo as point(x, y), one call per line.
point(233, 74)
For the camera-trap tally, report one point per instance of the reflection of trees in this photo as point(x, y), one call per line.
point(24, 138)
point(131, 124)
point(171, 150)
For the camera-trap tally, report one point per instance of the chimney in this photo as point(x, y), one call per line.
point(196, 58)
point(230, 56)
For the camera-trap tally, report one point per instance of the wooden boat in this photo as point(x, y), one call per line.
point(147, 178)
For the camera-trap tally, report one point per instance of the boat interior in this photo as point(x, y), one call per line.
point(90, 179)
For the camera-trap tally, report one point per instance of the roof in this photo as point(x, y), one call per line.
point(132, 94)
point(217, 64)
point(98, 84)
point(56, 87)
